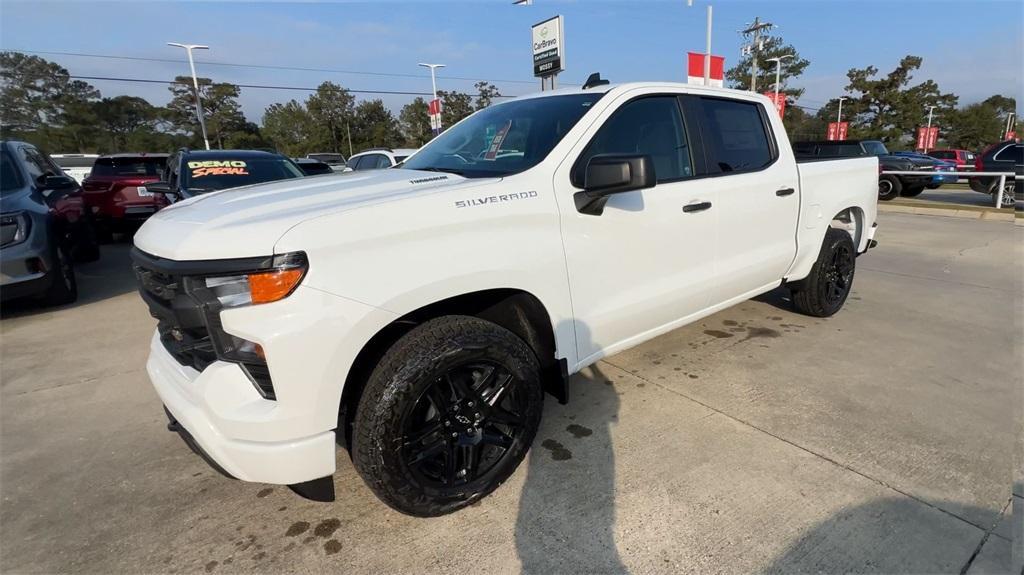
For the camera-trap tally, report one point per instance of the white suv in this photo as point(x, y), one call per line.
point(379, 158)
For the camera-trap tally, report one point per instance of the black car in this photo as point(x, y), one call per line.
point(44, 227)
point(193, 172)
point(336, 161)
point(1001, 157)
point(889, 186)
point(313, 167)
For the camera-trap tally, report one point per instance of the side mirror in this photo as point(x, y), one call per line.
point(609, 174)
point(61, 182)
point(162, 188)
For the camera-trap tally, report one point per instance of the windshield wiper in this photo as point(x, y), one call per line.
point(445, 170)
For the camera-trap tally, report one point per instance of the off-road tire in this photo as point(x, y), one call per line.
point(814, 295)
point(889, 188)
point(63, 287)
point(401, 378)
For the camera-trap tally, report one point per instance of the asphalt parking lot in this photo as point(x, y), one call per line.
point(879, 440)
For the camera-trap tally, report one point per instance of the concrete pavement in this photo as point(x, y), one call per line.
point(879, 440)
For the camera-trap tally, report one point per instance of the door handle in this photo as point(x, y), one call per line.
point(697, 207)
point(785, 192)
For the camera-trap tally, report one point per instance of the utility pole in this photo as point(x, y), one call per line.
point(195, 84)
point(755, 30)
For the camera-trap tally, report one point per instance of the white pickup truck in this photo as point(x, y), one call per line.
point(417, 315)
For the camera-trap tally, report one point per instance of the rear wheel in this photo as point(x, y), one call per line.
point(447, 415)
point(889, 187)
point(1009, 194)
point(63, 287)
point(824, 291)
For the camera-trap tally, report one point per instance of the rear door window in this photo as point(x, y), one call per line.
point(383, 161)
point(128, 167)
point(736, 134)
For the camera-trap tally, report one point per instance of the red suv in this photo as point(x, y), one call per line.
point(963, 158)
point(116, 194)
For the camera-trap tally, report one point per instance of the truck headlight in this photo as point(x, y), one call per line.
point(219, 292)
point(14, 228)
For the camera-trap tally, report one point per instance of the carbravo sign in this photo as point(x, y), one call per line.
point(548, 47)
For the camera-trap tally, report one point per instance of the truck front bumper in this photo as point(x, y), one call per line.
point(190, 397)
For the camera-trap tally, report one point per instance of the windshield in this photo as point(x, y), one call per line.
point(875, 149)
point(503, 139)
point(129, 167)
point(208, 175)
point(10, 180)
point(328, 158)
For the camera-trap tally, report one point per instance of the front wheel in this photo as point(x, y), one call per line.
point(889, 187)
point(447, 415)
point(824, 291)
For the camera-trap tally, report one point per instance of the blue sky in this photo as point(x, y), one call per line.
point(973, 48)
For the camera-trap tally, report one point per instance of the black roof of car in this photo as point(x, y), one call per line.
point(230, 154)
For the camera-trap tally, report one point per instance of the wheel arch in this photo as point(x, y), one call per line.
point(516, 310)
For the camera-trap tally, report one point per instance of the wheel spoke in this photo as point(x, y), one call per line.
point(451, 460)
point(498, 438)
point(439, 397)
point(470, 460)
point(502, 385)
point(415, 437)
point(462, 390)
point(427, 451)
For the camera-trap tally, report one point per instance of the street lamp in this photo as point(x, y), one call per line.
point(433, 79)
point(778, 68)
point(707, 50)
point(839, 116)
point(195, 84)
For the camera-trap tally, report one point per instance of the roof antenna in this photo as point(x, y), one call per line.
point(595, 80)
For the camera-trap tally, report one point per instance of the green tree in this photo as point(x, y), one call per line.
point(486, 93)
point(40, 102)
point(414, 122)
point(221, 110)
point(977, 125)
point(739, 75)
point(454, 107)
point(889, 108)
point(120, 117)
point(374, 126)
point(289, 127)
point(331, 109)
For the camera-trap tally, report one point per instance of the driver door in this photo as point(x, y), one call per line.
point(647, 261)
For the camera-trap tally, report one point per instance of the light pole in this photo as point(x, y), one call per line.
point(1009, 124)
point(928, 134)
point(839, 116)
point(707, 48)
point(195, 84)
point(778, 69)
point(433, 83)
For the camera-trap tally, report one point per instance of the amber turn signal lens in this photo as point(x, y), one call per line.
point(266, 287)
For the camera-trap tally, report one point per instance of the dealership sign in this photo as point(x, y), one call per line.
point(695, 69)
point(779, 100)
point(548, 47)
point(434, 111)
point(837, 130)
point(927, 137)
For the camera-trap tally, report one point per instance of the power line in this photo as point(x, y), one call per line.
point(266, 66)
point(259, 86)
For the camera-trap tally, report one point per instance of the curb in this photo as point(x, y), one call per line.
point(990, 214)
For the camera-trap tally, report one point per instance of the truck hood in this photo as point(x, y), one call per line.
point(248, 221)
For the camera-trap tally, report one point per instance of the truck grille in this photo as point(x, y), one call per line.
point(180, 320)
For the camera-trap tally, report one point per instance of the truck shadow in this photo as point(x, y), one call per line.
point(566, 520)
point(108, 277)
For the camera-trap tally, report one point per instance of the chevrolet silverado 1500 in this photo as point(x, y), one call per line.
point(417, 315)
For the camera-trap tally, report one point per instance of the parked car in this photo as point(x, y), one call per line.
point(75, 165)
point(939, 166)
point(415, 315)
point(379, 158)
point(44, 227)
point(889, 186)
point(116, 193)
point(193, 172)
point(1001, 157)
point(964, 159)
point(313, 167)
point(335, 161)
